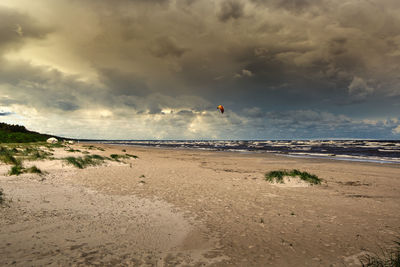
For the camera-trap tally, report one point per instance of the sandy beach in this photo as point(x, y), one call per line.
point(171, 207)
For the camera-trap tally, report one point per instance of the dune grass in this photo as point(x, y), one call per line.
point(33, 169)
point(7, 155)
point(72, 150)
point(1, 196)
point(83, 162)
point(16, 169)
point(277, 176)
point(118, 157)
point(19, 169)
point(91, 147)
point(389, 258)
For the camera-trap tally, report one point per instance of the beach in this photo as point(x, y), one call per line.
point(187, 207)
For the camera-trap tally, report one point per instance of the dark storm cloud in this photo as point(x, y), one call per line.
point(66, 106)
point(296, 65)
point(5, 113)
point(295, 6)
point(42, 88)
point(166, 46)
point(230, 9)
point(123, 83)
point(15, 27)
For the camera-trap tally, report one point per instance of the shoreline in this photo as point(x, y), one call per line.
point(238, 218)
point(343, 158)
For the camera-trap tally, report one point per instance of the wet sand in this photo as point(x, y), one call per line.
point(197, 208)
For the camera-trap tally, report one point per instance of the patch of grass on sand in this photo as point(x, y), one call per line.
point(38, 154)
point(118, 157)
point(389, 258)
point(115, 157)
point(33, 169)
point(72, 150)
point(19, 169)
point(82, 162)
point(1, 196)
point(56, 145)
point(16, 170)
point(277, 176)
point(7, 156)
point(123, 150)
point(91, 147)
point(14, 154)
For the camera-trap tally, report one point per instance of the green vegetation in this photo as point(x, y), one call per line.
point(19, 134)
point(37, 154)
point(7, 156)
point(118, 157)
point(91, 147)
point(33, 169)
point(16, 170)
point(72, 150)
point(277, 176)
point(1, 196)
point(14, 154)
point(88, 160)
point(390, 258)
point(19, 169)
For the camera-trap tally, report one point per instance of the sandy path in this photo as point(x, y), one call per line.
point(239, 215)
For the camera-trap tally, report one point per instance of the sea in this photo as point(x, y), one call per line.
point(378, 151)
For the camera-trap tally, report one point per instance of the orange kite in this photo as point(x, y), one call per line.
point(221, 108)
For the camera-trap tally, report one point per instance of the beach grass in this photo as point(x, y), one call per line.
point(7, 155)
point(1, 196)
point(389, 258)
point(83, 162)
point(19, 169)
point(33, 169)
point(278, 175)
point(16, 170)
point(72, 150)
point(118, 157)
point(38, 154)
point(91, 147)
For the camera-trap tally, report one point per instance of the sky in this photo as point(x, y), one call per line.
point(157, 69)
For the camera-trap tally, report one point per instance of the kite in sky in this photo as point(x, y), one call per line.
point(221, 108)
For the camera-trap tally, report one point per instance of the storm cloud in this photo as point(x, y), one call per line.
point(158, 69)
